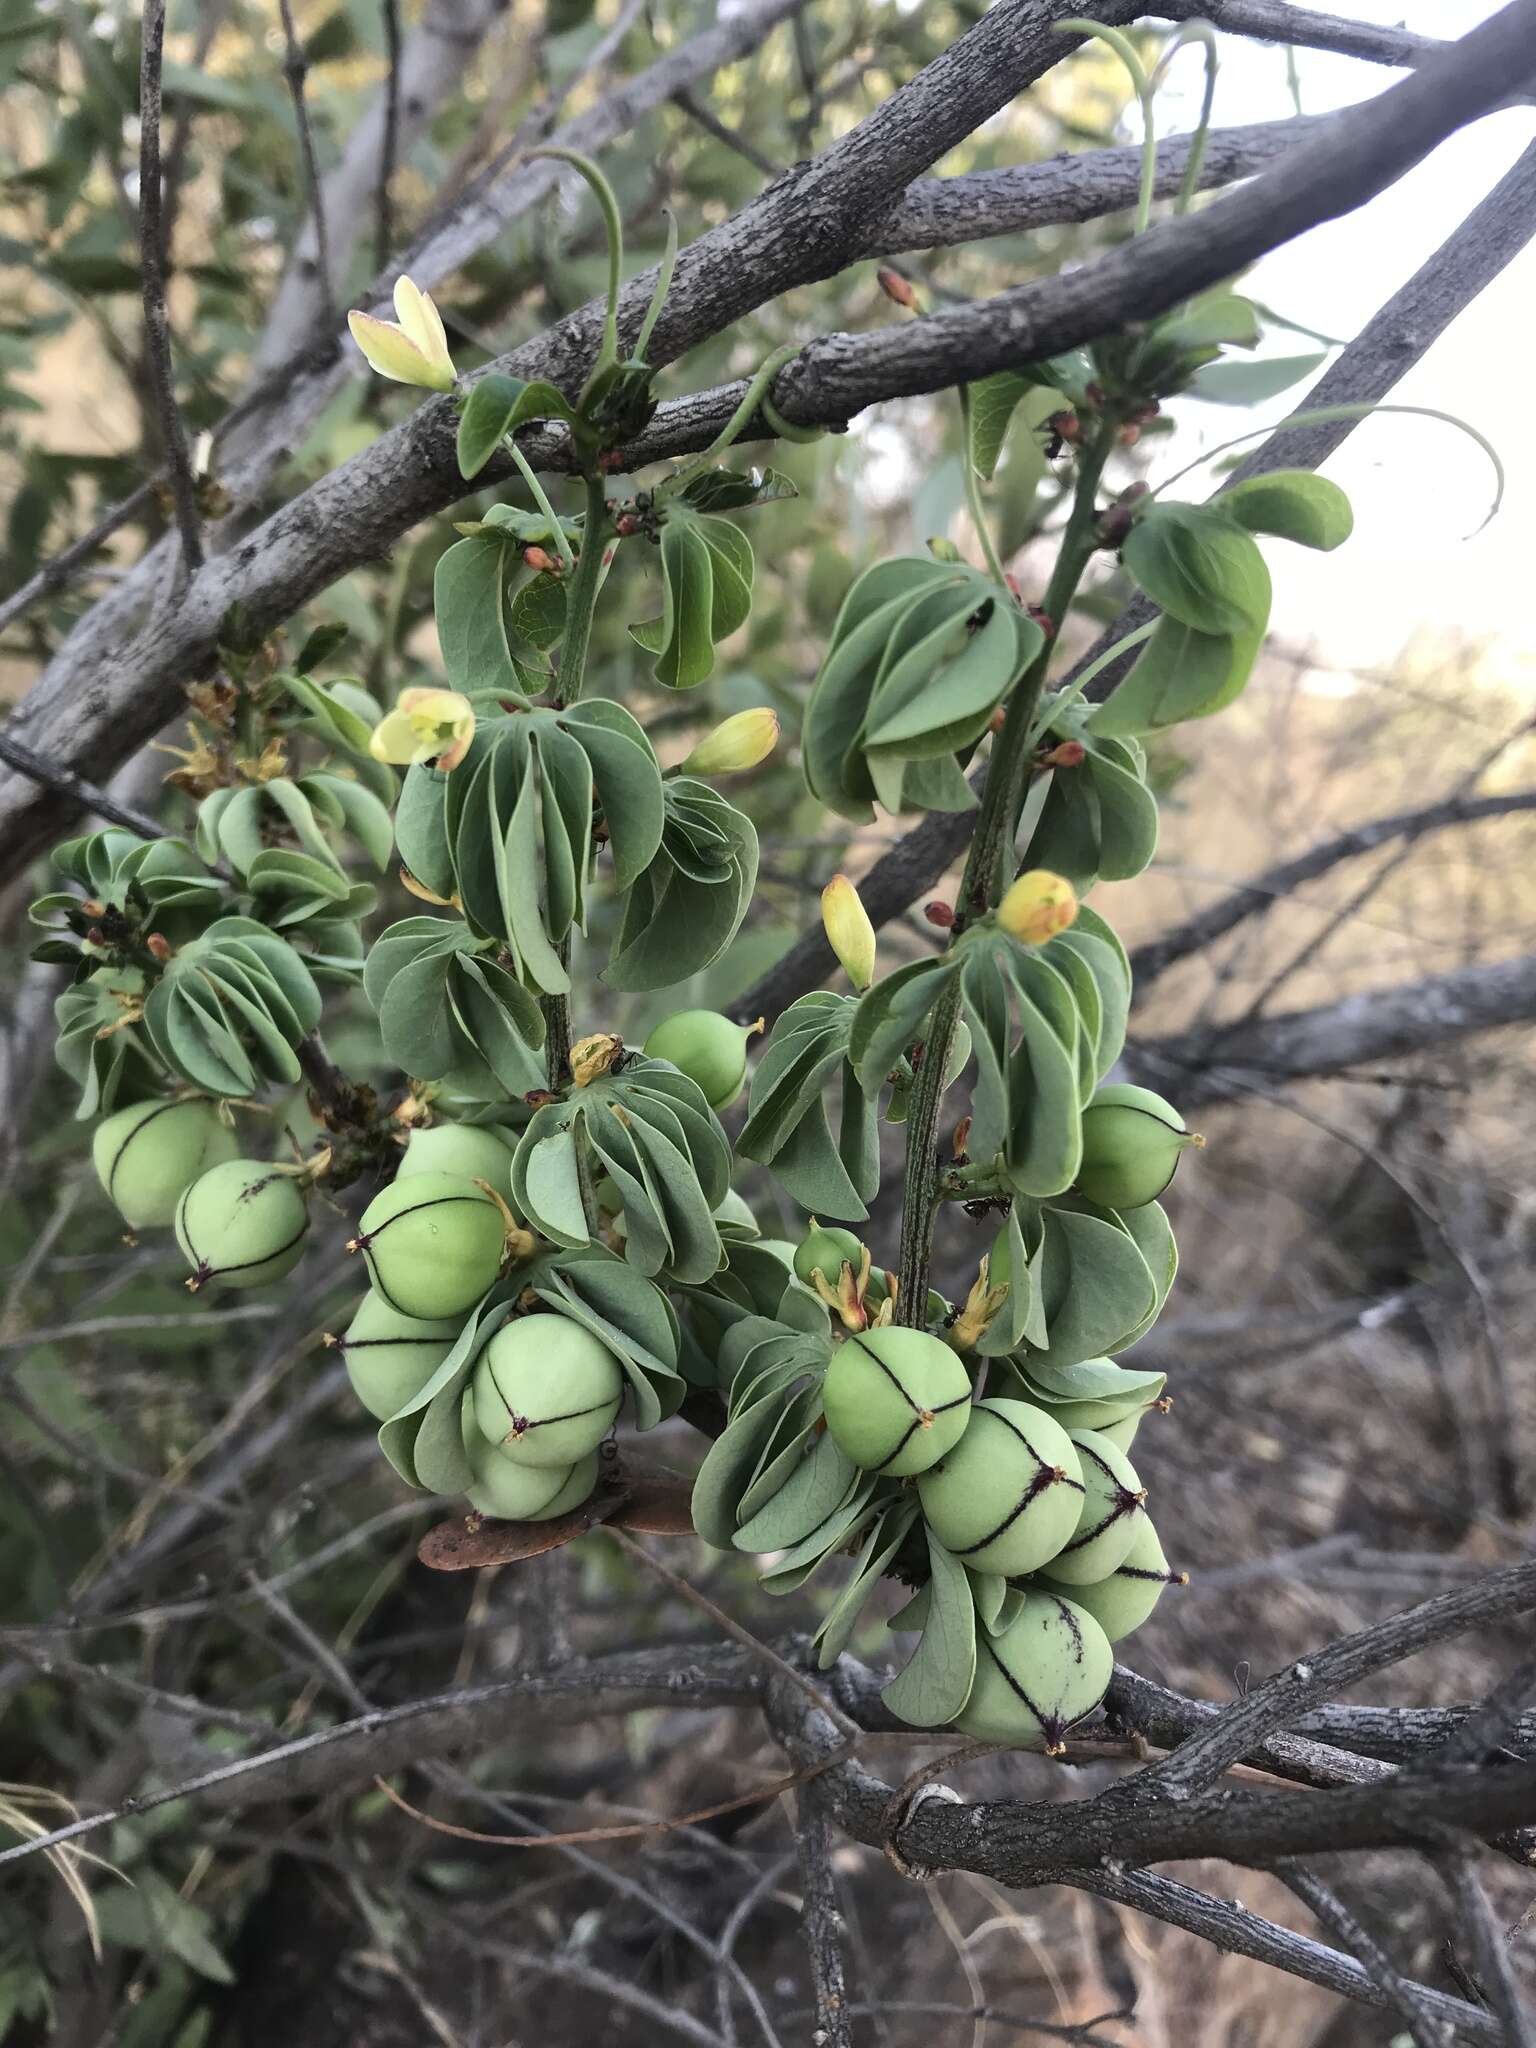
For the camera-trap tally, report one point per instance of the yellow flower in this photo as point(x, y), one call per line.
point(849, 931)
point(425, 725)
point(736, 744)
point(1037, 907)
point(415, 351)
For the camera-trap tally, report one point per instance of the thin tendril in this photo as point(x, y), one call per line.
point(567, 552)
point(1125, 50)
point(614, 228)
point(663, 286)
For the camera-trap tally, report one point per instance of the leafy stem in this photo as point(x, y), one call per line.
point(985, 878)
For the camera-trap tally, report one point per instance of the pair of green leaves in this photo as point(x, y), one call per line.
point(921, 655)
point(685, 907)
point(1096, 1281)
point(1201, 566)
point(159, 884)
point(509, 832)
point(98, 1046)
point(495, 634)
point(231, 1007)
point(496, 407)
point(448, 1011)
point(1093, 821)
point(1091, 1394)
point(706, 582)
point(649, 1128)
point(277, 837)
point(1046, 1024)
point(788, 1127)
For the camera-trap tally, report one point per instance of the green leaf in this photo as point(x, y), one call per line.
point(1181, 673)
point(935, 1685)
point(817, 1487)
point(1199, 566)
point(1251, 383)
point(733, 490)
point(473, 625)
point(486, 420)
point(1293, 504)
point(992, 403)
point(1219, 318)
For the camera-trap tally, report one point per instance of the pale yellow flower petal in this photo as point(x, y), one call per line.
point(1038, 906)
point(391, 353)
point(849, 931)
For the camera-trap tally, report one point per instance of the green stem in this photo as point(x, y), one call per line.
point(973, 497)
point(541, 499)
point(613, 227)
point(756, 391)
point(985, 878)
point(581, 601)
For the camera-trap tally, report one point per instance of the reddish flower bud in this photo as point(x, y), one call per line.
point(159, 945)
point(1094, 394)
point(1070, 754)
point(898, 289)
point(1066, 426)
point(538, 558)
point(1148, 411)
point(940, 913)
point(1129, 436)
point(625, 525)
point(1042, 619)
point(962, 1137)
point(610, 460)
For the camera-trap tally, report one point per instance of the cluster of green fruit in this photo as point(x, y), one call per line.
point(1011, 1507)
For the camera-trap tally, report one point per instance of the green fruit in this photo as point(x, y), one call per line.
point(1132, 1140)
point(826, 1251)
point(1123, 1601)
point(390, 1357)
point(1049, 1667)
point(896, 1400)
point(434, 1243)
point(526, 1493)
point(546, 1391)
point(1009, 1494)
point(148, 1156)
point(242, 1223)
point(1112, 1515)
point(708, 1048)
point(467, 1151)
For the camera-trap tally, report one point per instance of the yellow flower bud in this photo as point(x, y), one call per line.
point(1037, 907)
point(425, 725)
point(736, 744)
point(849, 931)
point(415, 351)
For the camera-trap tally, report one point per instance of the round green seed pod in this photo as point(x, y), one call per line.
point(708, 1048)
point(546, 1391)
point(826, 1250)
point(467, 1151)
point(526, 1493)
point(896, 1400)
point(390, 1357)
point(1132, 1142)
point(1112, 1514)
point(1123, 1601)
point(434, 1243)
point(242, 1223)
point(147, 1156)
point(1049, 1667)
point(1009, 1494)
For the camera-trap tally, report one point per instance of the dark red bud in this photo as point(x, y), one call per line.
point(625, 525)
point(610, 460)
point(1042, 619)
point(940, 913)
point(1070, 754)
point(1094, 394)
point(1066, 426)
point(159, 945)
point(1146, 412)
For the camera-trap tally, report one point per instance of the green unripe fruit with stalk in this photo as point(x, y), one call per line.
point(1112, 1513)
point(826, 1250)
point(1132, 1142)
point(468, 1151)
point(1122, 1602)
point(434, 1243)
point(147, 1156)
point(546, 1391)
point(896, 1400)
point(1048, 1668)
point(242, 1223)
point(390, 1357)
point(1009, 1494)
point(526, 1493)
point(708, 1048)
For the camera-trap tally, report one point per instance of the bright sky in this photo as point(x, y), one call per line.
point(1418, 487)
